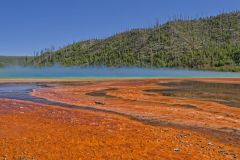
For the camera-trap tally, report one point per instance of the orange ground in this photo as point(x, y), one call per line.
point(129, 98)
point(159, 127)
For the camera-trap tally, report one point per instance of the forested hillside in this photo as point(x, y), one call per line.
point(207, 43)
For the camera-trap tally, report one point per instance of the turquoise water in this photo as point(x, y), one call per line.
point(103, 72)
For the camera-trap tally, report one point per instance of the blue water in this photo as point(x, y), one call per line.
point(103, 72)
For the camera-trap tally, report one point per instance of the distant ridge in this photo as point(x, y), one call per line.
point(211, 43)
point(15, 60)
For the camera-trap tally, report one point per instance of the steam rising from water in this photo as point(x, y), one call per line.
point(99, 72)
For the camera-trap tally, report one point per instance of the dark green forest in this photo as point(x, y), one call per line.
point(211, 43)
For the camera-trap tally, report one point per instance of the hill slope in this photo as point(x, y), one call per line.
point(206, 43)
point(14, 61)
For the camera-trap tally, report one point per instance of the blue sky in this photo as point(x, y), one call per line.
point(31, 25)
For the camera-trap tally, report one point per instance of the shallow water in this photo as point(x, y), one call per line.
point(223, 93)
point(103, 72)
point(22, 91)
